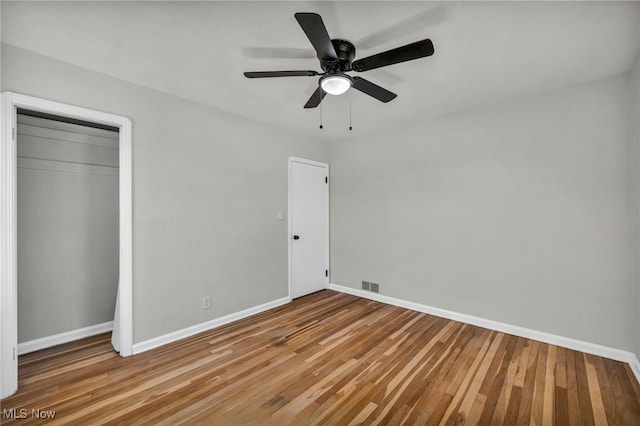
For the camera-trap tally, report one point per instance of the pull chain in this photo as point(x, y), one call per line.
point(321, 108)
point(350, 128)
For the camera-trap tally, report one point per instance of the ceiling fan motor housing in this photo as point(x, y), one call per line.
point(346, 52)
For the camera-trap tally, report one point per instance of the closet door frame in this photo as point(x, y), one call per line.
point(9, 104)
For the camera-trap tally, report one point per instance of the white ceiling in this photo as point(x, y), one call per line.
point(484, 52)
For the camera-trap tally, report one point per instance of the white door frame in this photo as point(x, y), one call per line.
point(289, 231)
point(10, 102)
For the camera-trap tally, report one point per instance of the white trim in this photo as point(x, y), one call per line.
point(553, 339)
point(67, 336)
point(125, 277)
point(306, 161)
point(8, 258)
point(289, 233)
point(8, 283)
point(205, 326)
point(634, 363)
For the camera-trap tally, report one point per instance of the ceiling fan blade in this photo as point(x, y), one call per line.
point(365, 86)
point(316, 98)
point(264, 74)
point(419, 49)
point(315, 30)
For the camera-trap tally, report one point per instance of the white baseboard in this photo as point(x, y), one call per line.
point(553, 339)
point(67, 336)
point(634, 363)
point(198, 328)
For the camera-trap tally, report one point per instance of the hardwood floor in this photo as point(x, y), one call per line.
point(328, 358)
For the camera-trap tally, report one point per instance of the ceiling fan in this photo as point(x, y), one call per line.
point(337, 58)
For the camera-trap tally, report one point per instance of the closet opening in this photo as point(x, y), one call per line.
point(67, 228)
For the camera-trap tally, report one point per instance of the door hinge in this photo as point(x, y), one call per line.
point(14, 134)
point(326, 179)
point(14, 353)
point(326, 272)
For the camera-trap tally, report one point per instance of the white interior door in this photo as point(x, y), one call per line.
point(308, 226)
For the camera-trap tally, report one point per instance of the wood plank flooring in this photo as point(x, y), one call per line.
point(328, 358)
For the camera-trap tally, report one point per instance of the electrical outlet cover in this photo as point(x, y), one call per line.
point(206, 302)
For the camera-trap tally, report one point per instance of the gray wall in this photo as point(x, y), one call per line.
point(517, 212)
point(67, 204)
point(634, 159)
point(206, 189)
